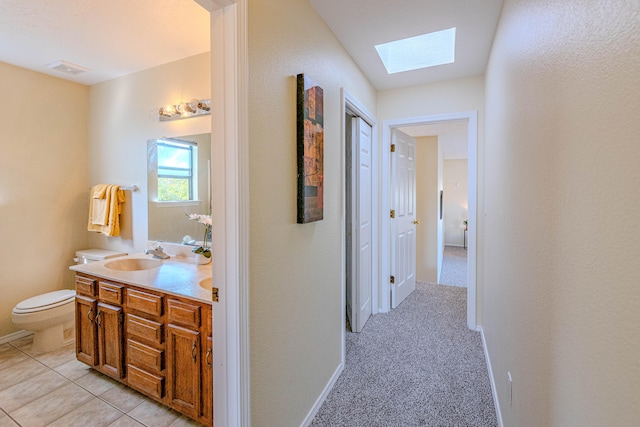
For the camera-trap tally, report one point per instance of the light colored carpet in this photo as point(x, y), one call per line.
point(418, 365)
point(454, 266)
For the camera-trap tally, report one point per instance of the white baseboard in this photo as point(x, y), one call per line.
point(316, 407)
point(494, 392)
point(15, 336)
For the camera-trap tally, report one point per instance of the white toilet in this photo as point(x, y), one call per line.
point(51, 316)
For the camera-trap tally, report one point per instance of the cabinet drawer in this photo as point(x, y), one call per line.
point(144, 328)
point(144, 302)
point(144, 356)
point(183, 313)
point(152, 385)
point(85, 286)
point(110, 292)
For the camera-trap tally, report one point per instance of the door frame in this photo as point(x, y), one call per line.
point(230, 192)
point(351, 105)
point(385, 203)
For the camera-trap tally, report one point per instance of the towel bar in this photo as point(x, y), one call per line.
point(127, 187)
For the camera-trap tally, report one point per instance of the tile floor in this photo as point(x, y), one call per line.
point(54, 389)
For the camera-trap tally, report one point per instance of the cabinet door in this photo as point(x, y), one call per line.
point(86, 344)
point(110, 340)
point(207, 381)
point(183, 370)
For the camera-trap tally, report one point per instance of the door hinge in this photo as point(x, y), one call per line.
point(393, 213)
point(214, 295)
point(393, 280)
point(393, 148)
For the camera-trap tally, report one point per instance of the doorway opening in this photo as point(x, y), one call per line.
point(441, 201)
point(470, 118)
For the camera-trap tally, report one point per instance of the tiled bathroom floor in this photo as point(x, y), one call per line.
point(54, 389)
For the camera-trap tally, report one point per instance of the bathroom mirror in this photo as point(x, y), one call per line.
point(178, 183)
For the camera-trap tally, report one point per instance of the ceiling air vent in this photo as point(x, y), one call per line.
point(67, 67)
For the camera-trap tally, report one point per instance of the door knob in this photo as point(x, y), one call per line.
point(416, 222)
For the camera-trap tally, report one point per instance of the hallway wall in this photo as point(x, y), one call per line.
point(427, 199)
point(561, 292)
point(456, 195)
point(295, 269)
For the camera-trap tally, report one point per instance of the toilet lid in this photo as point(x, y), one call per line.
point(48, 300)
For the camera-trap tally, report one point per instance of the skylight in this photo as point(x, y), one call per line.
point(427, 50)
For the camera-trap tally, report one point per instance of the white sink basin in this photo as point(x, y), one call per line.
point(133, 264)
point(206, 283)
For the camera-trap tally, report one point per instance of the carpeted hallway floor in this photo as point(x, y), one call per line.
point(454, 266)
point(418, 365)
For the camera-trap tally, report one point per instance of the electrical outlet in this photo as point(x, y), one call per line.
point(509, 388)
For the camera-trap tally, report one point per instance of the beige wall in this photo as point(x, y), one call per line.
point(43, 171)
point(456, 195)
point(427, 196)
point(123, 115)
point(562, 193)
point(295, 287)
point(451, 96)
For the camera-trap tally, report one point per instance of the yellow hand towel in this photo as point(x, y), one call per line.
point(99, 191)
point(99, 205)
point(112, 200)
point(115, 208)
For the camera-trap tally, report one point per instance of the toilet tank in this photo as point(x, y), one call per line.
point(89, 255)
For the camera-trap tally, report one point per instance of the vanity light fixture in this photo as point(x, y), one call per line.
point(183, 110)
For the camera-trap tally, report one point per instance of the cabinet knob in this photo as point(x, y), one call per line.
point(193, 352)
point(97, 319)
point(89, 315)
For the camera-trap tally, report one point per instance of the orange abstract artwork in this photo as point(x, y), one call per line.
point(310, 123)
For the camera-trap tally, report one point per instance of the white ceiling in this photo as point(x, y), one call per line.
point(362, 24)
point(111, 37)
point(119, 37)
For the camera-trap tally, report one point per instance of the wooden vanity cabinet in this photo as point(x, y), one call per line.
point(100, 325)
point(167, 341)
point(207, 366)
point(86, 330)
point(190, 373)
point(145, 342)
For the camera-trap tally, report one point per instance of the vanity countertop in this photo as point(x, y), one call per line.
point(179, 276)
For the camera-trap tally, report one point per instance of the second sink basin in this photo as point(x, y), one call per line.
point(133, 264)
point(206, 283)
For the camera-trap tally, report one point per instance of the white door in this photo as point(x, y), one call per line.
point(403, 227)
point(360, 194)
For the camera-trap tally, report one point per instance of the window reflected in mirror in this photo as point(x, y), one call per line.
point(179, 183)
point(177, 175)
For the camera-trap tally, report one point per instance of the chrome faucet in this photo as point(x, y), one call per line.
point(157, 252)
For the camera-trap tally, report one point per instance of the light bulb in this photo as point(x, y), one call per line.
point(168, 110)
point(204, 105)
